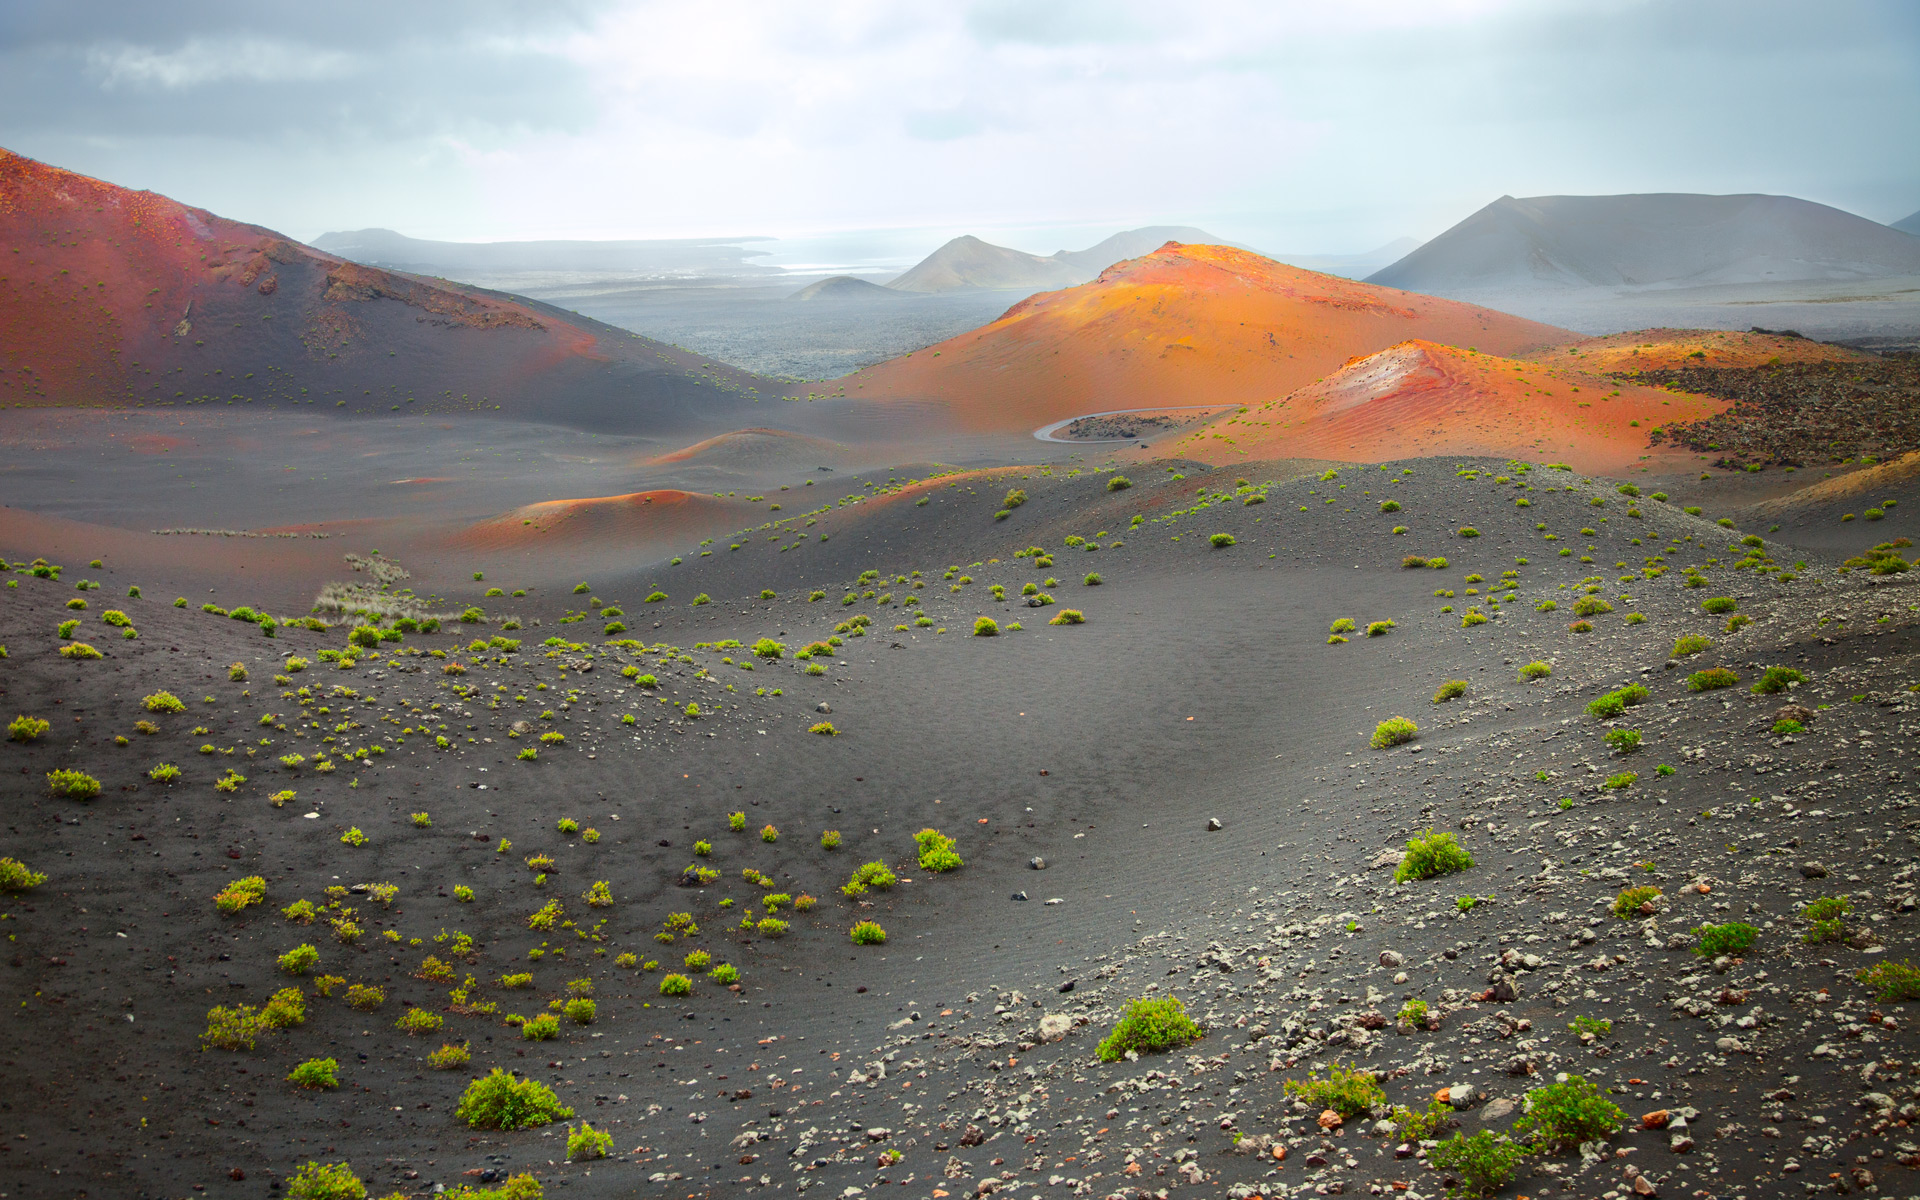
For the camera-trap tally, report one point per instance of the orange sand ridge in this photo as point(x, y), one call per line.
point(636, 517)
point(1418, 398)
point(1185, 325)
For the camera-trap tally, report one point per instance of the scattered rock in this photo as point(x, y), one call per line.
point(1498, 1110)
point(1213, 823)
point(1037, 863)
point(1019, 895)
point(1055, 1026)
point(823, 707)
point(1392, 958)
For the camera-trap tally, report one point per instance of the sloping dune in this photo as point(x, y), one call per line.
point(1867, 484)
point(1419, 398)
point(1185, 325)
point(637, 519)
point(756, 449)
point(1665, 349)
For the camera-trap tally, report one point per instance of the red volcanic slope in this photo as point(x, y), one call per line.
point(1185, 325)
point(111, 296)
point(1419, 399)
point(636, 520)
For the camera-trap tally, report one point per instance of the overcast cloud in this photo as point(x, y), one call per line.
point(1292, 126)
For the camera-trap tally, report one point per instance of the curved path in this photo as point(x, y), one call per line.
point(1045, 432)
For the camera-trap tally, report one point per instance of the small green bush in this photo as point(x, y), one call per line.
point(1431, 855)
point(1535, 670)
point(675, 985)
point(1562, 1115)
point(1069, 616)
point(1733, 938)
point(986, 627)
point(299, 960)
point(1220, 541)
point(1482, 1163)
point(1826, 919)
point(1627, 904)
point(868, 933)
point(936, 851)
point(326, 1181)
point(316, 1073)
point(1449, 690)
point(1892, 981)
point(1158, 1023)
point(74, 785)
point(1776, 679)
point(1346, 1091)
point(1392, 732)
point(1711, 679)
point(1624, 779)
point(16, 876)
point(1623, 741)
point(499, 1101)
point(1119, 483)
point(1378, 628)
point(163, 702)
point(25, 729)
point(1719, 604)
point(1692, 643)
point(587, 1142)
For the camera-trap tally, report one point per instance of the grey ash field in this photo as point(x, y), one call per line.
point(959, 1057)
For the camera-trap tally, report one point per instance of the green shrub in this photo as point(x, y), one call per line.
point(1220, 541)
point(986, 627)
point(1093, 579)
point(1711, 679)
point(1692, 643)
point(830, 839)
point(724, 974)
point(868, 933)
point(1535, 670)
point(1624, 779)
point(416, 1021)
point(1787, 726)
point(1826, 919)
point(1449, 690)
point(1562, 1115)
point(1623, 741)
point(1892, 981)
point(1413, 561)
point(1412, 1015)
point(1392, 732)
point(449, 1056)
point(936, 851)
point(25, 729)
point(1346, 1091)
point(1119, 483)
point(1341, 625)
point(1590, 606)
point(16, 876)
point(1627, 904)
point(1378, 628)
point(1159, 1023)
point(1389, 506)
point(299, 960)
point(1733, 938)
point(868, 875)
point(74, 785)
point(1776, 679)
point(326, 1181)
point(580, 1010)
point(1472, 617)
point(737, 821)
point(587, 1142)
point(316, 1073)
point(1719, 604)
point(1431, 855)
point(675, 985)
point(163, 702)
point(1069, 616)
point(1482, 1163)
point(499, 1101)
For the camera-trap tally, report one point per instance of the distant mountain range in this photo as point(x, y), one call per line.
point(1909, 224)
point(1655, 241)
point(967, 262)
point(667, 257)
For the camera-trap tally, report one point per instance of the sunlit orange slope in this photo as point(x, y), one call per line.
point(1419, 398)
point(1665, 349)
point(1184, 325)
point(637, 519)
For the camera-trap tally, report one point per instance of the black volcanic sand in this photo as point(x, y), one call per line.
point(1200, 687)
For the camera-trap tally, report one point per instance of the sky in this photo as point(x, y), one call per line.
point(1304, 127)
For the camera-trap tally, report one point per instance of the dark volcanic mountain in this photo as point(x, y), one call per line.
point(1650, 241)
point(117, 297)
point(1909, 224)
point(842, 288)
